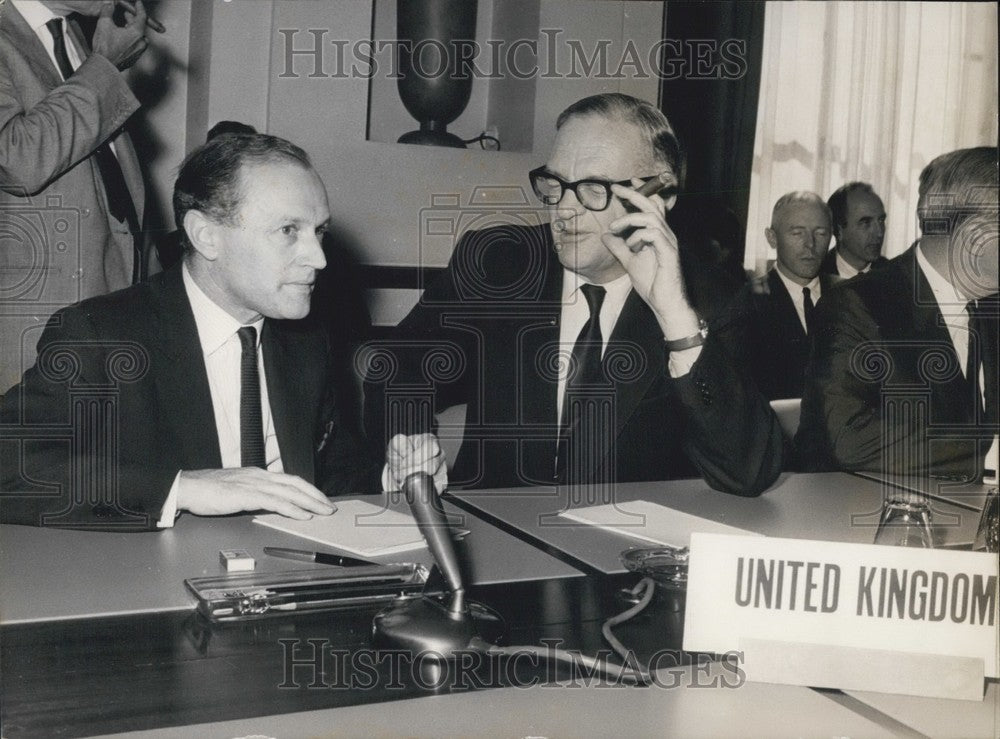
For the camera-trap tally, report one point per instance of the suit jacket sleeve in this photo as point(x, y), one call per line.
point(732, 436)
point(63, 460)
point(39, 144)
point(843, 424)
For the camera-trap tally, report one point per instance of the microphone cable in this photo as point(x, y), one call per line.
point(630, 672)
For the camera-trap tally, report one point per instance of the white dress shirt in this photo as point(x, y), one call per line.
point(575, 313)
point(952, 304)
point(222, 352)
point(37, 15)
point(798, 299)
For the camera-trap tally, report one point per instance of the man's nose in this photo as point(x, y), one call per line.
point(313, 255)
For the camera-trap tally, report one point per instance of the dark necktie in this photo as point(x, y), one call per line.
point(251, 419)
point(807, 301)
point(977, 326)
point(585, 369)
point(584, 373)
point(120, 203)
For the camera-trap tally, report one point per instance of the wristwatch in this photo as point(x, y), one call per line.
point(691, 341)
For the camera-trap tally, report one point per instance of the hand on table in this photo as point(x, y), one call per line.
point(239, 489)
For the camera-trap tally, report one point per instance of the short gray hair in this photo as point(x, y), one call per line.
point(799, 196)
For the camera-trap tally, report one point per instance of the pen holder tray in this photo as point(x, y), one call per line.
point(243, 596)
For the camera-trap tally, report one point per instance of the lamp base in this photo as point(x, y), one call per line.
point(432, 138)
point(427, 628)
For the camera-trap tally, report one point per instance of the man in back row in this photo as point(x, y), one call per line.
point(859, 226)
point(903, 378)
point(585, 349)
point(201, 390)
point(776, 322)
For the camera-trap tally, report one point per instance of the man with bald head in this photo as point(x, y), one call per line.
point(903, 376)
point(859, 229)
point(579, 346)
point(776, 322)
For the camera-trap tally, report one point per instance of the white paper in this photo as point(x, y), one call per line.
point(659, 524)
point(358, 527)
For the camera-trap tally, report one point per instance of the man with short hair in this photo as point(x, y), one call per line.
point(775, 323)
point(200, 390)
point(71, 187)
point(579, 346)
point(859, 228)
point(903, 376)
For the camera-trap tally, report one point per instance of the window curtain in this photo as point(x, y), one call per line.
point(868, 91)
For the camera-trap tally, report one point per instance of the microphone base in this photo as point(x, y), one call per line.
point(427, 628)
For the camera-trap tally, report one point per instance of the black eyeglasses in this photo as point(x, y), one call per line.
point(593, 194)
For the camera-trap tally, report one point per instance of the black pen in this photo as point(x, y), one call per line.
point(318, 557)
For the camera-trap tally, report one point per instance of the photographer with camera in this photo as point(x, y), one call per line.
point(587, 350)
point(62, 108)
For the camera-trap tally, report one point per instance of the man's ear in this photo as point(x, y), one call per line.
point(771, 237)
point(203, 233)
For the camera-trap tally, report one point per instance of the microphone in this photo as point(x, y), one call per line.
point(421, 495)
point(436, 626)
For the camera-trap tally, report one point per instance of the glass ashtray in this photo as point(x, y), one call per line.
point(666, 565)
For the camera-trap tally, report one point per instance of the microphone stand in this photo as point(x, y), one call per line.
point(436, 627)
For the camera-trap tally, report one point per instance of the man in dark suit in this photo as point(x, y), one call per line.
point(859, 227)
point(71, 188)
point(774, 322)
point(200, 390)
point(577, 346)
point(903, 376)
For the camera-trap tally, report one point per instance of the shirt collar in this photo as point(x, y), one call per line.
point(944, 292)
point(847, 270)
point(794, 288)
point(215, 326)
point(36, 14)
point(616, 291)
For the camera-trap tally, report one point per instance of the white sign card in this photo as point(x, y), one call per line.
point(861, 596)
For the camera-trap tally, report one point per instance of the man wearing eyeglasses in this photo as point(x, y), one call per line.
point(582, 348)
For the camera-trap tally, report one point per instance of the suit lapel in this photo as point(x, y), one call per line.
point(538, 390)
point(13, 25)
point(928, 326)
point(183, 385)
point(289, 400)
point(635, 342)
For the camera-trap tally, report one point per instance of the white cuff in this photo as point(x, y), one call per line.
point(168, 514)
point(680, 363)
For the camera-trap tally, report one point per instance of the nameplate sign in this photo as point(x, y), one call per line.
point(831, 598)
